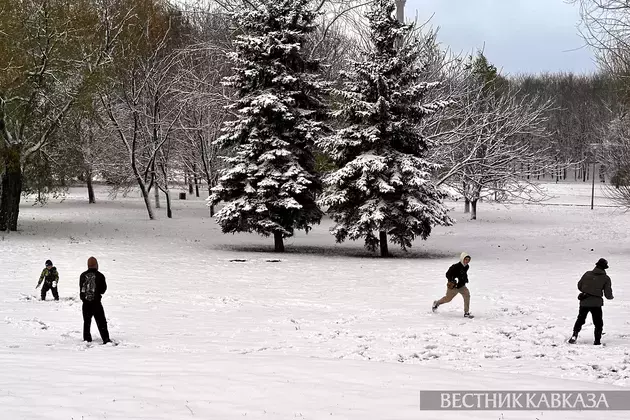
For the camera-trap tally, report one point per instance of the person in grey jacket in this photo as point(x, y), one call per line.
point(594, 286)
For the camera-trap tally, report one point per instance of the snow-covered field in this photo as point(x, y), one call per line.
point(216, 326)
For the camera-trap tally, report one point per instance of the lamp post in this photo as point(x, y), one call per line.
point(593, 187)
point(400, 10)
point(592, 147)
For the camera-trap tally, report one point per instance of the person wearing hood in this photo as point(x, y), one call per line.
point(92, 285)
point(50, 277)
point(457, 278)
point(593, 286)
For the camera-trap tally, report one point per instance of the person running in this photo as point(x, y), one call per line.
point(457, 278)
point(593, 286)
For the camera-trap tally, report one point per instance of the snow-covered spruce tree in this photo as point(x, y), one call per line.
point(383, 184)
point(270, 185)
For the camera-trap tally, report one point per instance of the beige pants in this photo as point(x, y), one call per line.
point(451, 293)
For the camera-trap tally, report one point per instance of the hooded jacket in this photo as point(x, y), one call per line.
point(92, 274)
point(596, 284)
point(49, 276)
point(458, 272)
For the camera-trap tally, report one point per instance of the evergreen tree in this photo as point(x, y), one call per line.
point(383, 183)
point(487, 76)
point(271, 185)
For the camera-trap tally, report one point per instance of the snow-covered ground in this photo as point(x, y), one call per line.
point(217, 326)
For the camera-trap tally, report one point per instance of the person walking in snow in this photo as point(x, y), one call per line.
point(457, 278)
point(50, 277)
point(92, 285)
point(594, 286)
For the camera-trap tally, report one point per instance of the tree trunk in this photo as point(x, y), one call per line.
point(466, 206)
point(143, 189)
point(473, 213)
point(528, 171)
point(169, 212)
point(382, 240)
point(157, 197)
point(90, 187)
point(196, 180)
point(10, 189)
point(211, 205)
point(147, 201)
point(278, 242)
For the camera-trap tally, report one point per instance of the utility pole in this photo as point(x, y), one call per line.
point(400, 10)
point(593, 157)
point(400, 16)
point(593, 186)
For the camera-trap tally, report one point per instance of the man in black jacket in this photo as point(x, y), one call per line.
point(593, 285)
point(457, 276)
point(92, 285)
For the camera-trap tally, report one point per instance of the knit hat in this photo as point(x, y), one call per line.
point(92, 263)
point(48, 262)
point(602, 263)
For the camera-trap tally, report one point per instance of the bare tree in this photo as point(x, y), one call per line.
point(139, 98)
point(494, 144)
point(605, 26)
point(203, 97)
point(496, 152)
point(614, 153)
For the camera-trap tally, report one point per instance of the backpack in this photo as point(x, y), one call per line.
point(89, 287)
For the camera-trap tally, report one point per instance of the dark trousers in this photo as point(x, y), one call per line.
point(598, 321)
point(48, 286)
point(94, 309)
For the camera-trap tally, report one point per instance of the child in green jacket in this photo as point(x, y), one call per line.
point(50, 277)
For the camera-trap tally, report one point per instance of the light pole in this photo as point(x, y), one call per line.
point(400, 10)
point(592, 147)
point(593, 187)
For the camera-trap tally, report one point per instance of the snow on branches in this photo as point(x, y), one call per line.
point(383, 180)
point(270, 184)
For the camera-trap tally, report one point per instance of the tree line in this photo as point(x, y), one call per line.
point(282, 111)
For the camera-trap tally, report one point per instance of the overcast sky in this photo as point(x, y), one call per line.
point(520, 36)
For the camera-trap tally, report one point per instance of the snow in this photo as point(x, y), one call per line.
point(218, 326)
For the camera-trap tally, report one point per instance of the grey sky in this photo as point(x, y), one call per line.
point(520, 36)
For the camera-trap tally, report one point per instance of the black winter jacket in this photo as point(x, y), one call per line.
point(458, 272)
point(101, 284)
point(596, 284)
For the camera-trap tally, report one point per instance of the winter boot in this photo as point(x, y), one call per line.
point(573, 338)
point(435, 305)
point(598, 337)
point(468, 315)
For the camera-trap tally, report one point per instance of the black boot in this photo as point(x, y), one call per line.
point(573, 338)
point(598, 337)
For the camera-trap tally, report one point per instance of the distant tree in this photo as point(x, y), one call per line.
point(139, 94)
point(495, 151)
